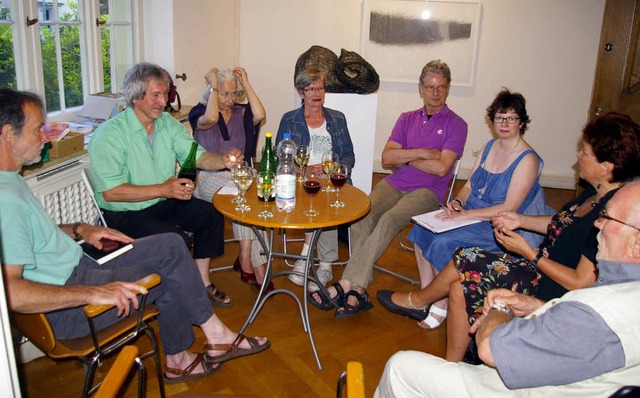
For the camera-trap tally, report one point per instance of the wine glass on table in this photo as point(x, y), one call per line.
point(338, 177)
point(311, 187)
point(266, 184)
point(233, 172)
point(244, 179)
point(302, 158)
point(329, 161)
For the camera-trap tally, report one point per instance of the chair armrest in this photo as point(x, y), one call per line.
point(93, 310)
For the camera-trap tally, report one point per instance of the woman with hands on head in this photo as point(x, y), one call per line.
point(221, 123)
point(503, 178)
point(609, 155)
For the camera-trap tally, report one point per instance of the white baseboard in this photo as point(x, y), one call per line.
point(546, 180)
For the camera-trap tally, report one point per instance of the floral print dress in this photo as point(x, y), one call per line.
point(481, 271)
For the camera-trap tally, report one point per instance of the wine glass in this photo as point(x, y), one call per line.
point(233, 172)
point(266, 184)
point(244, 178)
point(311, 186)
point(338, 177)
point(329, 161)
point(302, 158)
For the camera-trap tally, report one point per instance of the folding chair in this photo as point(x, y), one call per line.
point(87, 177)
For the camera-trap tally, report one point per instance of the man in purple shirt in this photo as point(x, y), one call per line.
point(582, 344)
point(422, 149)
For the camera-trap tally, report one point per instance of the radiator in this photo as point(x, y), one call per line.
point(62, 192)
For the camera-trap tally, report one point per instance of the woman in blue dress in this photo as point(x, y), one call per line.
point(505, 178)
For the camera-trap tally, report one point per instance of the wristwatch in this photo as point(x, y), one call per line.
point(502, 308)
point(212, 89)
point(76, 235)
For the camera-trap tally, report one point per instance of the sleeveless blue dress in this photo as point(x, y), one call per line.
point(487, 189)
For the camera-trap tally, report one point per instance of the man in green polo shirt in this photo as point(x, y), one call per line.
point(133, 157)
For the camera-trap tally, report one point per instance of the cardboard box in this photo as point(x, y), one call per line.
point(70, 143)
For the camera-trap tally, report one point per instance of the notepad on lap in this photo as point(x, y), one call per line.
point(435, 225)
point(101, 256)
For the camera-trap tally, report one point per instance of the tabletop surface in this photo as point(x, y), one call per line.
point(357, 205)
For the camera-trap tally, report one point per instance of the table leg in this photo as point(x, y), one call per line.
point(312, 245)
point(303, 309)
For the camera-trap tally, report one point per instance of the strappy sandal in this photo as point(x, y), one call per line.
point(327, 303)
point(430, 322)
point(233, 350)
point(349, 310)
point(218, 297)
point(187, 373)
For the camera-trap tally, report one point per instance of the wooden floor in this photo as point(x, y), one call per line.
point(288, 368)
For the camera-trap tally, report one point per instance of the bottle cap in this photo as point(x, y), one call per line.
point(268, 134)
point(287, 136)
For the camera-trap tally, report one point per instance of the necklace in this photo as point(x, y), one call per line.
point(490, 175)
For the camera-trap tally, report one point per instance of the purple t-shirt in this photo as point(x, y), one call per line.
point(444, 131)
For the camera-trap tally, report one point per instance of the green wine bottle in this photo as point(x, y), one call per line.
point(267, 162)
point(188, 168)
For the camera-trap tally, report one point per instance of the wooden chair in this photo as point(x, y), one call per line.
point(354, 378)
point(119, 372)
point(92, 348)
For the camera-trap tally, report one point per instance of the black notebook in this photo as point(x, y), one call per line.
point(102, 256)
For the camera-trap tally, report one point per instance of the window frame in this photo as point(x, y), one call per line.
point(28, 52)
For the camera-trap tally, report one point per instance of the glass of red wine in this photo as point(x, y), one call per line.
point(311, 187)
point(338, 177)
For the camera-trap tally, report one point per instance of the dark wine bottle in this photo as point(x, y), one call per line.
point(267, 162)
point(188, 168)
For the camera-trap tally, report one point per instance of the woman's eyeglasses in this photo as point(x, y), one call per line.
point(228, 94)
point(508, 119)
point(603, 214)
point(314, 90)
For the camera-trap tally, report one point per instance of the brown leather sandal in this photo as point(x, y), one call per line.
point(233, 350)
point(187, 374)
point(217, 297)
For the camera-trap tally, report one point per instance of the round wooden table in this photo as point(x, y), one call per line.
point(357, 205)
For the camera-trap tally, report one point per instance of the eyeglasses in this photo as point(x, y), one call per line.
point(228, 94)
point(603, 214)
point(508, 119)
point(435, 88)
point(314, 90)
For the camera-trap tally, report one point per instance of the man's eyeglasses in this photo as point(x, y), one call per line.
point(314, 90)
point(508, 119)
point(603, 214)
point(435, 88)
point(228, 94)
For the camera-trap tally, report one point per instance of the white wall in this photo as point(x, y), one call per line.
point(545, 49)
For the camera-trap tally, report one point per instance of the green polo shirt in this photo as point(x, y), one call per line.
point(29, 237)
point(120, 153)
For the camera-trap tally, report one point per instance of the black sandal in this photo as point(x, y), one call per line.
point(217, 297)
point(328, 303)
point(348, 310)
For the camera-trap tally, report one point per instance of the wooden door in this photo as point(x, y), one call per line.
point(617, 79)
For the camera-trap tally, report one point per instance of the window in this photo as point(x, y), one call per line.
point(116, 31)
point(66, 49)
point(7, 66)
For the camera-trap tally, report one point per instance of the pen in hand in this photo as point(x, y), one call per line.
point(457, 210)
